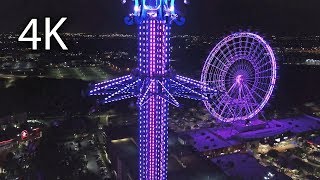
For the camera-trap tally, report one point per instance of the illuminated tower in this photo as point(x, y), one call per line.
point(154, 83)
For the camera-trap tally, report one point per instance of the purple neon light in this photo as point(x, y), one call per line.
point(122, 90)
point(243, 69)
point(152, 110)
point(153, 62)
point(204, 86)
point(114, 82)
point(239, 79)
point(189, 89)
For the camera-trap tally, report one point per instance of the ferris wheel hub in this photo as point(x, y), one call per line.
point(239, 79)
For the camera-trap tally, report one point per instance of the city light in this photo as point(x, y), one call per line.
point(24, 135)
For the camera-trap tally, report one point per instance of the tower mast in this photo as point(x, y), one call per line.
point(154, 83)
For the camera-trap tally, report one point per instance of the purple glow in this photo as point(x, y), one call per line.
point(239, 79)
point(242, 67)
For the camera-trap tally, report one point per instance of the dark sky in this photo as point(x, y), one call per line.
point(203, 16)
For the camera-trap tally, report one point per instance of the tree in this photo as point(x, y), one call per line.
point(273, 153)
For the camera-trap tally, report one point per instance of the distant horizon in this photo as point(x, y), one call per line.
point(287, 17)
point(182, 34)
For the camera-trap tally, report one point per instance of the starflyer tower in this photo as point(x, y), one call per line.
point(153, 83)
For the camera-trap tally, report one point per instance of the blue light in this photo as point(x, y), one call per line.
point(136, 9)
point(172, 8)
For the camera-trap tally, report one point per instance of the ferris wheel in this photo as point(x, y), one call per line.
point(242, 68)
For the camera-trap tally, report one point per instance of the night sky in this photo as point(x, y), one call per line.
point(285, 17)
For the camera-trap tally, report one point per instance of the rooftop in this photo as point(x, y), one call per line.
point(272, 128)
point(205, 139)
point(216, 138)
point(242, 126)
point(302, 124)
point(198, 168)
point(128, 152)
point(244, 166)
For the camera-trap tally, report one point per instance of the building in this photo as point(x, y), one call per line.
point(244, 166)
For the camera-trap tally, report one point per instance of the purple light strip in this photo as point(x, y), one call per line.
point(191, 90)
point(152, 103)
point(112, 83)
point(188, 97)
point(202, 85)
point(119, 99)
point(123, 89)
point(175, 102)
point(113, 80)
point(142, 100)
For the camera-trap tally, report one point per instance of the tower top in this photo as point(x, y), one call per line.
point(154, 9)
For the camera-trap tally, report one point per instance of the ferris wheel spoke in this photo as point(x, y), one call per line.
point(239, 93)
point(224, 108)
point(264, 64)
point(246, 43)
point(260, 77)
point(234, 92)
point(247, 109)
point(245, 68)
point(230, 51)
point(215, 81)
point(251, 80)
point(265, 67)
point(215, 77)
point(230, 90)
point(220, 106)
point(254, 51)
point(218, 68)
point(221, 60)
point(218, 62)
point(217, 73)
point(226, 111)
point(232, 71)
point(253, 47)
point(246, 103)
point(251, 95)
point(239, 111)
point(226, 84)
point(257, 94)
point(256, 87)
point(221, 98)
point(265, 83)
point(261, 52)
point(232, 87)
point(225, 56)
point(264, 71)
point(250, 84)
